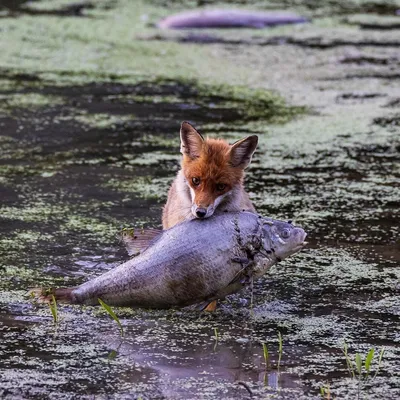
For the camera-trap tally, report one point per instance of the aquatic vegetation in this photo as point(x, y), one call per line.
point(112, 314)
point(216, 337)
point(360, 368)
point(280, 348)
point(326, 392)
point(102, 120)
point(265, 354)
point(145, 187)
point(54, 309)
point(30, 101)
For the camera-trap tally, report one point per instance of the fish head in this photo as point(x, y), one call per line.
point(282, 238)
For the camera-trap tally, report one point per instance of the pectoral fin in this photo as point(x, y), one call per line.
point(138, 240)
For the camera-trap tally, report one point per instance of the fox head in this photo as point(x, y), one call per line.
point(213, 168)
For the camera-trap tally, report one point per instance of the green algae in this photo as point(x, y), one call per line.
point(30, 101)
point(26, 274)
point(145, 187)
point(252, 104)
point(91, 225)
point(152, 158)
point(39, 211)
point(46, 5)
point(102, 120)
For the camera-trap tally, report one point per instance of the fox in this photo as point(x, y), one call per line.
point(211, 177)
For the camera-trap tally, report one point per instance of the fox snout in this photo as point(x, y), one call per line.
point(200, 211)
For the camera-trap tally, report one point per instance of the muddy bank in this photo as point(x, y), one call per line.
point(89, 118)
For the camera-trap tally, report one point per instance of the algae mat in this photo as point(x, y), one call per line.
point(91, 97)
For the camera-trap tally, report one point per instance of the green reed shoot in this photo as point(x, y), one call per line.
point(348, 361)
point(280, 342)
point(358, 365)
point(368, 361)
point(53, 309)
point(325, 392)
point(379, 361)
point(358, 359)
point(216, 336)
point(266, 354)
point(112, 314)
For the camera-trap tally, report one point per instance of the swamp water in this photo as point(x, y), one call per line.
point(89, 144)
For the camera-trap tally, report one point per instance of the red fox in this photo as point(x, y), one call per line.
point(211, 176)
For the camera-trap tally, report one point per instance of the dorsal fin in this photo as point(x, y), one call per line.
point(137, 240)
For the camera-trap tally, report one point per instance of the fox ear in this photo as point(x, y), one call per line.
point(191, 140)
point(242, 151)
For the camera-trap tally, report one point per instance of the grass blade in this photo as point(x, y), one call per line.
point(216, 337)
point(379, 361)
point(368, 361)
point(53, 309)
point(358, 363)
point(216, 334)
point(280, 348)
point(348, 361)
point(266, 354)
point(111, 313)
point(325, 392)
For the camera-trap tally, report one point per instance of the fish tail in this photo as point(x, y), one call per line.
point(45, 295)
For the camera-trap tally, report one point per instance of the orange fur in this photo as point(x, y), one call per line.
point(211, 177)
point(212, 167)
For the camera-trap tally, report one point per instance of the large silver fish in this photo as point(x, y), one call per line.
point(195, 261)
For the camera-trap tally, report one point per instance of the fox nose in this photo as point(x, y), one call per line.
point(201, 212)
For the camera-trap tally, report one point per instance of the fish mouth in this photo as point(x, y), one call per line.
point(302, 243)
point(303, 238)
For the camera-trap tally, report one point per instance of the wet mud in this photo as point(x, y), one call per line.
point(89, 146)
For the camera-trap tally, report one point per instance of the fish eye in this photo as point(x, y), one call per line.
point(285, 233)
point(221, 186)
point(196, 181)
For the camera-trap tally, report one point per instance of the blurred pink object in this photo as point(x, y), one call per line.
point(229, 19)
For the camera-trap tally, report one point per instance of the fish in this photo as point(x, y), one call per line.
point(193, 262)
point(225, 18)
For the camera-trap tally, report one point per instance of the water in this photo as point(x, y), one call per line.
point(80, 161)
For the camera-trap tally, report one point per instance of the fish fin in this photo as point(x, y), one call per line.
point(212, 306)
point(138, 240)
point(45, 295)
point(203, 305)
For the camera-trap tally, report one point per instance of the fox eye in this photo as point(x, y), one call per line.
point(221, 186)
point(196, 181)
